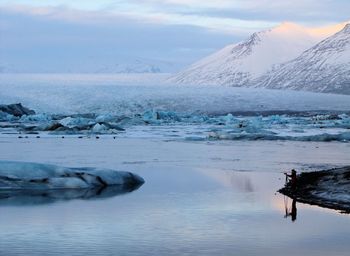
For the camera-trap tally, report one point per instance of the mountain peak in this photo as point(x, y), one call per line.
point(328, 66)
point(241, 64)
point(288, 26)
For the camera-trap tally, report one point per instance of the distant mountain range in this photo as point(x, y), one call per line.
point(91, 65)
point(137, 66)
point(286, 57)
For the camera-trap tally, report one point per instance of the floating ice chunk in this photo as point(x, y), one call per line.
point(71, 122)
point(150, 116)
point(36, 118)
point(169, 115)
point(113, 127)
point(155, 117)
point(7, 117)
point(99, 128)
point(277, 119)
point(105, 118)
point(229, 119)
point(21, 175)
point(66, 121)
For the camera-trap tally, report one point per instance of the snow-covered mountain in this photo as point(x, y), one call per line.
point(324, 68)
point(239, 64)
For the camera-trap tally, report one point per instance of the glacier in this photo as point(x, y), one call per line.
point(45, 94)
point(171, 112)
point(36, 176)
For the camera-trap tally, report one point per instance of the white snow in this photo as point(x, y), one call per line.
point(324, 67)
point(23, 175)
point(238, 64)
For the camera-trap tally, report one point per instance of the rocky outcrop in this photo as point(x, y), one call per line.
point(328, 188)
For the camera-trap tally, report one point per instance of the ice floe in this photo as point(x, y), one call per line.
point(300, 126)
point(34, 176)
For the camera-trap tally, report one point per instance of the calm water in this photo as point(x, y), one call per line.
point(200, 198)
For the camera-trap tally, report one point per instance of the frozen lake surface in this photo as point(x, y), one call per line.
point(208, 198)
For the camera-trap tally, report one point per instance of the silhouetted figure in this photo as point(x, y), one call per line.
point(291, 212)
point(292, 178)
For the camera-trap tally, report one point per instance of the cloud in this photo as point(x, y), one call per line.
point(55, 38)
point(218, 24)
point(223, 16)
point(64, 31)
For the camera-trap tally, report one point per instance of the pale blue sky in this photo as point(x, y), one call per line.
point(56, 33)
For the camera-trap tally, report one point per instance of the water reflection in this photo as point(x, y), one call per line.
point(238, 180)
point(38, 197)
point(290, 211)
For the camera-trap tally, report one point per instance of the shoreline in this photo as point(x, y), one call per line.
point(326, 188)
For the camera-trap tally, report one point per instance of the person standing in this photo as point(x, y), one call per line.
point(292, 179)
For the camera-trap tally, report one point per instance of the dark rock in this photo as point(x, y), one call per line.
point(53, 127)
point(328, 188)
point(16, 110)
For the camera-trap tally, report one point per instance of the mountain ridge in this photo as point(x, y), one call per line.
point(324, 67)
point(244, 63)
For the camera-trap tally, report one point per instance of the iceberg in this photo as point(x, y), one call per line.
point(36, 118)
point(99, 128)
point(105, 118)
point(4, 117)
point(35, 176)
point(77, 122)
